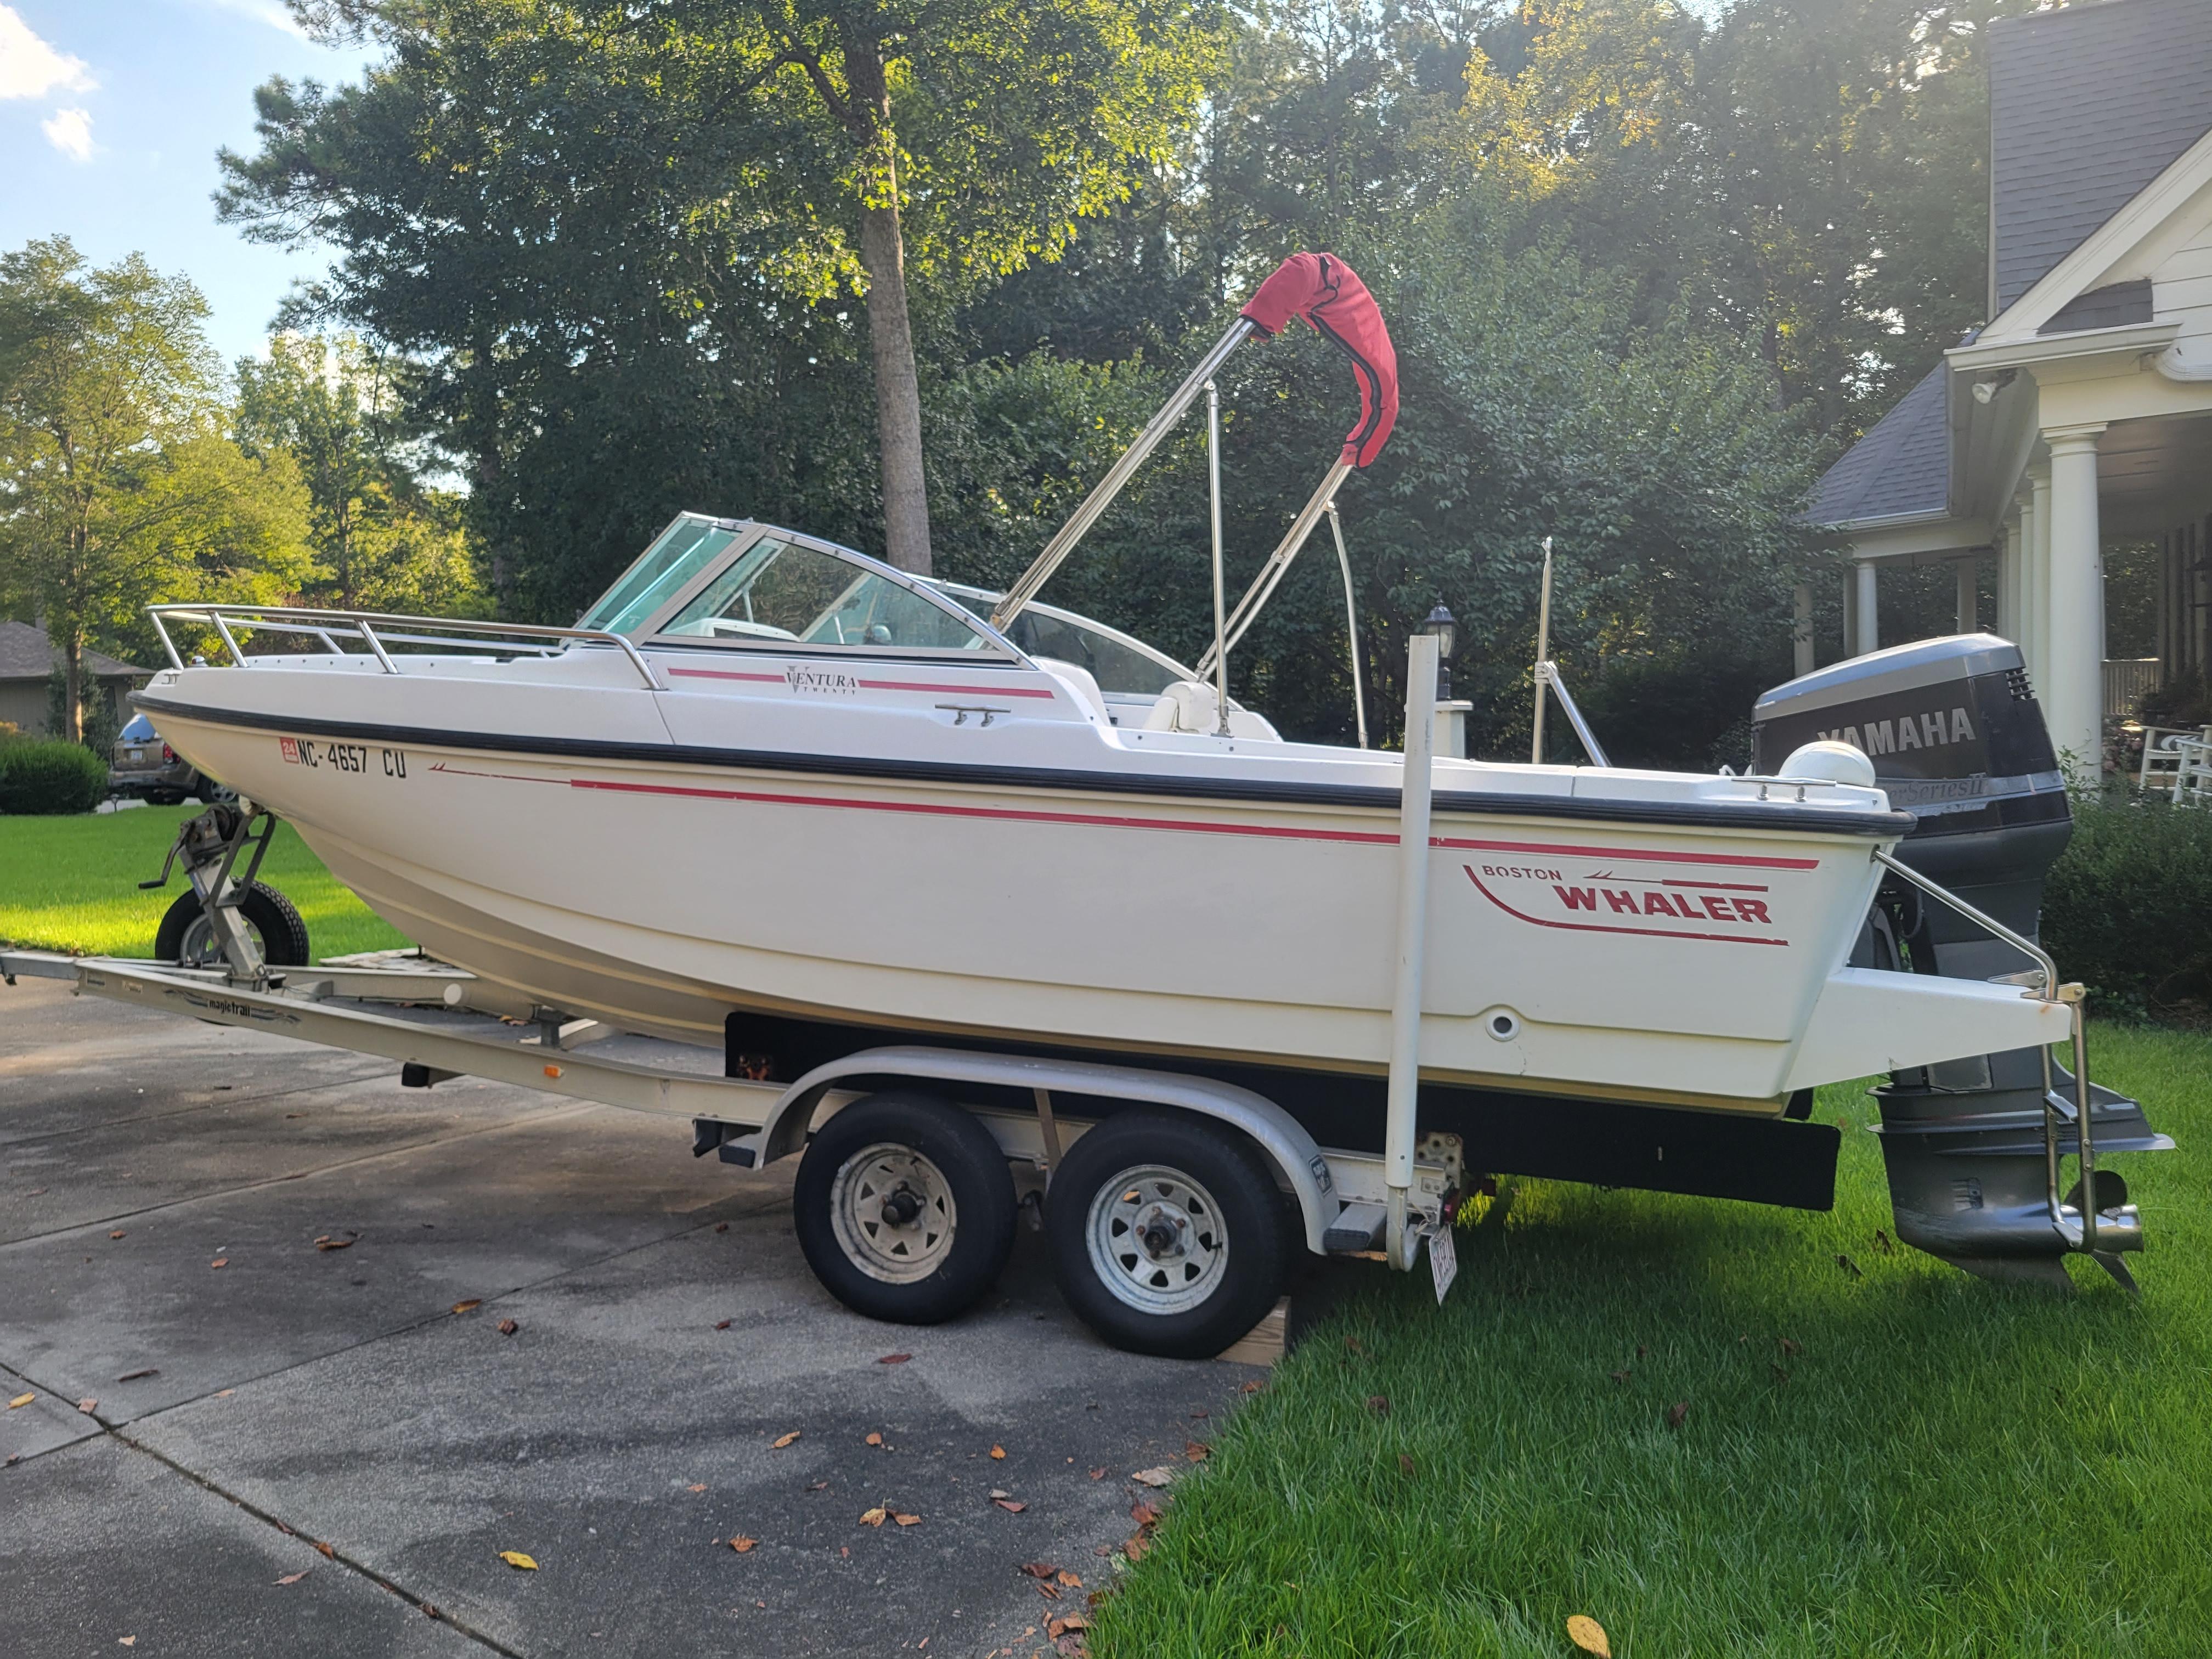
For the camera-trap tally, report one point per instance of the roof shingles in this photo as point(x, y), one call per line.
point(26, 654)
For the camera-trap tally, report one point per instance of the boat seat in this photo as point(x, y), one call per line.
point(1080, 680)
point(1189, 706)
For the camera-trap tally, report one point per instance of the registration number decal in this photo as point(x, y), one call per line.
point(357, 757)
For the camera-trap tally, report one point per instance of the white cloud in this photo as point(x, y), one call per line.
point(30, 68)
point(267, 11)
point(70, 132)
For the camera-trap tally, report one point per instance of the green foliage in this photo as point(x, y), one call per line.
point(2128, 908)
point(50, 778)
point(119, 487)
point(100, 723)
point(383, 539)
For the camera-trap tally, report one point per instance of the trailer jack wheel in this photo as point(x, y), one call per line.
point(275, 927)
point(1168, 1235)
point(904, 1209)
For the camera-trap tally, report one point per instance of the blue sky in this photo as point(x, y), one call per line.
point(111, 114)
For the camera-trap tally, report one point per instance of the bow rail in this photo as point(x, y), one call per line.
point(378, 632)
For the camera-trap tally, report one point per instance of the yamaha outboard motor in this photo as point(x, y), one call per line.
point(1957, 739)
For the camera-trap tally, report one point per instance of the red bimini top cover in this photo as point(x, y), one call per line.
point(1329, 293)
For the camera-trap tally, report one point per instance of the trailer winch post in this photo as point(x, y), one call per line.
point(1424, 652)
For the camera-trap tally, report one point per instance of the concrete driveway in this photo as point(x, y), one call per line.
point(259, 1408)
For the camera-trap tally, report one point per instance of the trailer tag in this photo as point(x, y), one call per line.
point(1443, 1259)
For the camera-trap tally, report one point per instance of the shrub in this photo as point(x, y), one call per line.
point(2128, 908)
point(50, 777)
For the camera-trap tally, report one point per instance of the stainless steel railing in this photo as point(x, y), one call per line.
point(377, 632)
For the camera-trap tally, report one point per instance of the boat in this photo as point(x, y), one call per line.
point(770, 778)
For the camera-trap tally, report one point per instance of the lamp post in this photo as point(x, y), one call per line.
point(1448, 716)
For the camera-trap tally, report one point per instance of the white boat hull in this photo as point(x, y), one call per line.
point(660, 886)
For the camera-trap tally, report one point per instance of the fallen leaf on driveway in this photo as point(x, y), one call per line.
point(220, 1262)
point(115, 1235)
point(329, 1244)
point(995, 1493)
point(127, 1641)
point(1039, 1569)
point(473, 1303)
point(1135, 1548)
point(507, 1327)
point(1676, 1413)
point(1098, 1475)
point(997, 1451)
point(701, 1486)
point(1197, 1450)
point(721, 1226)
point(1064, 1576)
point(518, 1559)
point(741, 1544)
point(1011, 1505)
point(132, 1376)
point(875, 1439)
point(1252, 1387)
point(1586, 1633)
point(873, 1517)
point(328, 1553)
point(907, 1519)
point(1159, 1477)
point(786, 1440)
point(1144, 1514)
point(1050, 1592)
point(1065, 1623)
point(88, 1406)
point(21, 1399)
point(722, 1324)
point(294, 1578)
point(895, 1359)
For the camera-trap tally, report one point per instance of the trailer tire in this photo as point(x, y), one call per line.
point(267, 912)
point(903, 1148)
point(1222, 1249)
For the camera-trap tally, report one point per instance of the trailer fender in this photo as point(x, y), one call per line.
point(1295, 1156)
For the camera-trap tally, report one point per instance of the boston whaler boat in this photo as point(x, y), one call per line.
point(922, 849)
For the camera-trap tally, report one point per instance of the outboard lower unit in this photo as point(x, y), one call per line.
point(1957, 739)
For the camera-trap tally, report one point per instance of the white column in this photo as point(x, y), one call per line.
point(2035, 571)
point(2073, 695)
point(2008, 579)
point(1869, 633)
point(1800, 636)
point(1969, 603)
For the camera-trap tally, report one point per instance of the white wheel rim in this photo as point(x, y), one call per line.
point(892, 1212)
point(1158, 1240)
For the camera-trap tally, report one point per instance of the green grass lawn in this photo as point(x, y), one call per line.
point(71, 884)
point(1908, 1462)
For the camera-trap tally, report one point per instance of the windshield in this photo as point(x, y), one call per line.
point(662, 571)
point(779, 590)
point(1122, 666)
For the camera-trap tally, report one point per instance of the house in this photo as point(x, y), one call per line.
point(2082, 412)
point(27, 660)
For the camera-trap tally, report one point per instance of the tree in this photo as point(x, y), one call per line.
point(383, 539)
point(117, 486)
point(818, 148)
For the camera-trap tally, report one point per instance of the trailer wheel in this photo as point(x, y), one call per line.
point(904, 1209)
point(1167, 1234)
point(185, 937)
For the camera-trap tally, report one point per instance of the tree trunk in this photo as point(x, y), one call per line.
point(73, 686)
point(891, 333)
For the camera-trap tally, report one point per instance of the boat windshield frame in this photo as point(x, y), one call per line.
point(994, 649)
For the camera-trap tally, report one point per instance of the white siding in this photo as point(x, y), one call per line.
point(2181, 292)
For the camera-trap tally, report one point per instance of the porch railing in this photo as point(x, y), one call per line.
point(2127, 680)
